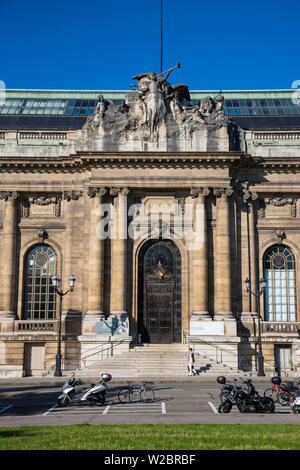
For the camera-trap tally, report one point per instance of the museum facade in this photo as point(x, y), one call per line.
point(161, 202)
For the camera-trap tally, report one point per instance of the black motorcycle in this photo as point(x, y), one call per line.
point(226, 389)
point(228, 395)
point(246, 401)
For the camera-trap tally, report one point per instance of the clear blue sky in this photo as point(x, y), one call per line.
point(97, 44)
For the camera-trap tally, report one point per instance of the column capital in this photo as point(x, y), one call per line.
point(9, 195)
point(223, 192)
point(247, 194)
point(96, 191)
point(72, 195)
point(119, 191)
point(199, 191)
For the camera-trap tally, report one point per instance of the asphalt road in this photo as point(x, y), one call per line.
point(27, 405)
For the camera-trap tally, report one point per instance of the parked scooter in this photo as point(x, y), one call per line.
point(93, 395)
point(295, 404)
point(247, 401)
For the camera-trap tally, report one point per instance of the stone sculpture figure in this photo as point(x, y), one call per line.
point(158, 116)
point(152, 90)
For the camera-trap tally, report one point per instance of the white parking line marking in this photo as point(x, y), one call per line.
point(163, 407)
point(50, 409)
point(213, 407)
point(5, 408)
point(107, 409)
point(135, 408)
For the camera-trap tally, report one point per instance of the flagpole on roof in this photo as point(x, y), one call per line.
point(161, 38)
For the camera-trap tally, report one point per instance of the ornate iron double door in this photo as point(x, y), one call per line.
point(159, 318)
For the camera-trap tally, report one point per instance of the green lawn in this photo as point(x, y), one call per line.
point(152, 437)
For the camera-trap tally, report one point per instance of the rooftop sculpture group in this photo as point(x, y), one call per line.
point(158, 116)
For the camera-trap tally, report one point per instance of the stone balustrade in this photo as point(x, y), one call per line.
point(42, 135)
point(280, 327)
point(276, 135)
point(36, 325)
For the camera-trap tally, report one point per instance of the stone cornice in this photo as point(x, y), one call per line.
point(168, 159)
point(277, 163)
point(86, 160)
point(83, 161)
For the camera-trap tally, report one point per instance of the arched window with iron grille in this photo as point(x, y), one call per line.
point(280, 293)
point(39, 301)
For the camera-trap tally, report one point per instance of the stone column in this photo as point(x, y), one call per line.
point(200, 258)
point(223, 256)
point(96, 259)
point(119, 254)
point(8, 256)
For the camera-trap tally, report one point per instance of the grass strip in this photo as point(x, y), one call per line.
point(152, 437)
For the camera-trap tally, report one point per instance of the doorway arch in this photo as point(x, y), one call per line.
point(159, 292)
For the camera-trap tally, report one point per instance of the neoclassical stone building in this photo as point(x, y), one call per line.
point(161, 202)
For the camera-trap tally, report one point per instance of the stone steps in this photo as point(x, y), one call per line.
point(155, 361)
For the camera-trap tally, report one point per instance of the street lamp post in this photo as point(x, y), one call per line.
point(56, 283)
point(262, 286)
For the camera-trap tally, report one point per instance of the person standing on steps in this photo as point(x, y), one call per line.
point(191, 362)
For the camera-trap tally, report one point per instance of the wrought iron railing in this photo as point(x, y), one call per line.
point(100, 350)
point(220, 352)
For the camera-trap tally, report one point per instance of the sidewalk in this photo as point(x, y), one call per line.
point(50, 380)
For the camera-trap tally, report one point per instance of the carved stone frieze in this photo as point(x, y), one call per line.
point(42, 200)
point(278, 206)
point(41, 205)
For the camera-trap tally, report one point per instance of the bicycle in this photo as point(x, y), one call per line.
point(281, 392)
point(273, 392)
point(136, 392)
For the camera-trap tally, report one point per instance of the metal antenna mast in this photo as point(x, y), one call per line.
point(161, 37)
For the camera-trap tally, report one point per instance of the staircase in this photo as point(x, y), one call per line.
point(161, 360)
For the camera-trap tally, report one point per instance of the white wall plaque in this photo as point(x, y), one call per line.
point(207, 328)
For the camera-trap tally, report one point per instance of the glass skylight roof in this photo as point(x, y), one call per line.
point(270, 107)
point(82, 107)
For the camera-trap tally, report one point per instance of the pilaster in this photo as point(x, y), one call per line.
point(249, 265)
point(223, 256)
point(8, 256)
point(119, 254)
point(200, 258)
point(96, 258)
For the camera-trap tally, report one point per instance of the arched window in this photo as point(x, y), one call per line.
point(280, 293)
point(40, 266)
